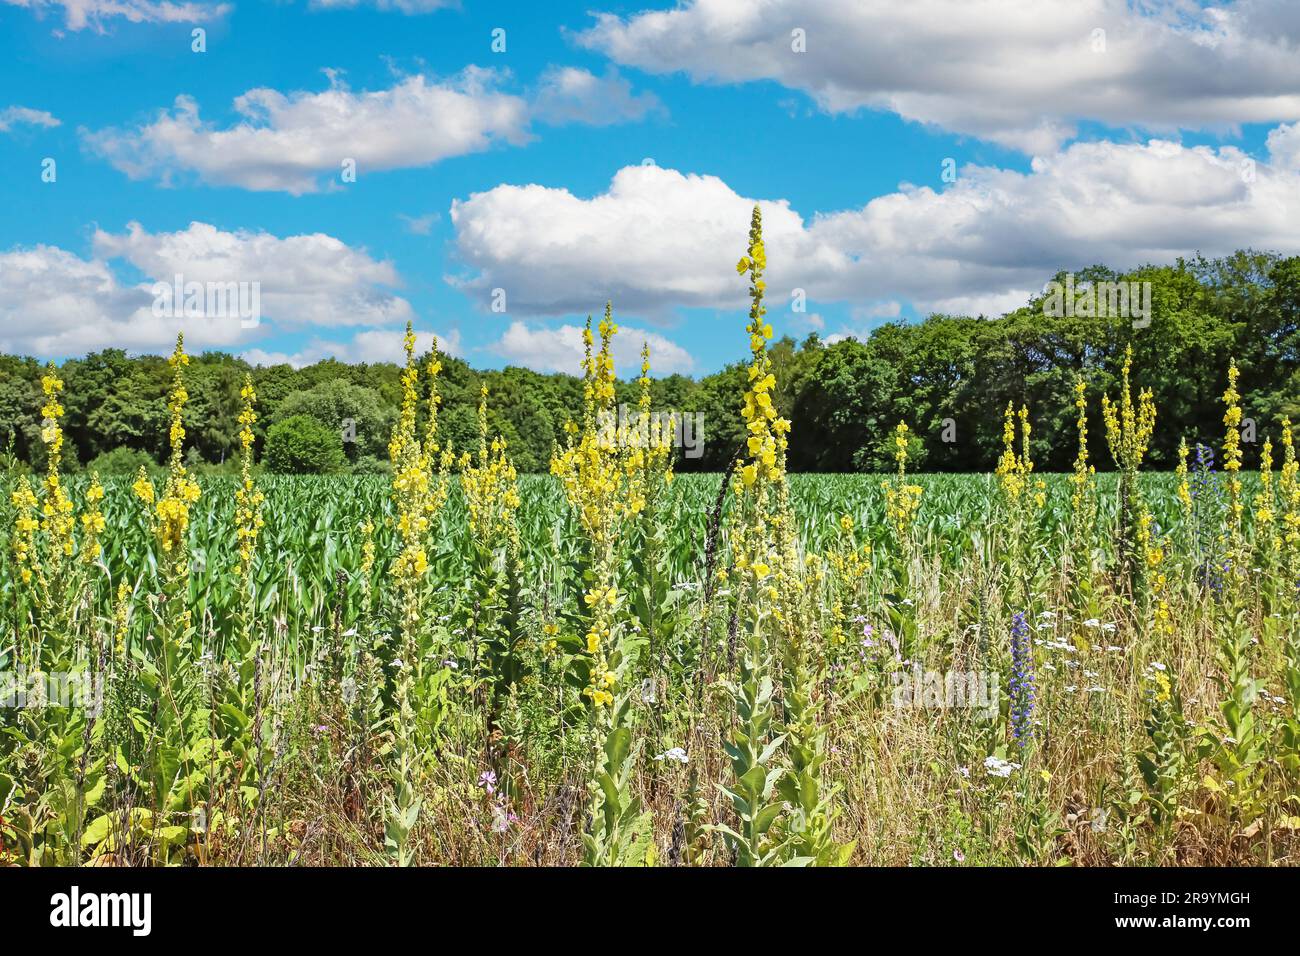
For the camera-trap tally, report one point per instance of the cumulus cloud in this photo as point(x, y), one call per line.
point(1020, 74)
point(289, 142)
point(1284, 146)
point(372, 345)
point(57, 303)
point(22, 116)
point(310, 279)
point(659, 239)
point(298, 142)
point(549, 349)
point(656, 239)
point(80, 14)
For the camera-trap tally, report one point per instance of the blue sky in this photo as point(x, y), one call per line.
point(1177, 134)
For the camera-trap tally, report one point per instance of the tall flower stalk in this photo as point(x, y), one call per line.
point(1268, 541)
point(418, 493)
point(1023, 498)
point(902, 502)
point(1234, 538)
point(1289, 494)
point(605, 491)
point(794, 825)
point(43, 542)
point(1128, 433)
point(490, 487)
point(1083, 491)
point(168, 512)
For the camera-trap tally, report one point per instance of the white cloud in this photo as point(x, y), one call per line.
point(20, 115)
point(879, 310)
point(571, 95)
point(298, 142)
point(80, 14)
point(291, 142)
point(659, 239)
point(372, 345)
point(1022, 74)
point(986, 304)
point(305, 280)
point(655, 240)
point(56, 303)
point(1284, 146)
point(547, 349)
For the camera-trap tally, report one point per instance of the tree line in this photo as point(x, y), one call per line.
point(948, 377)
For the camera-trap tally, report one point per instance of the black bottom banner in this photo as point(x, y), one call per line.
point(265, 906)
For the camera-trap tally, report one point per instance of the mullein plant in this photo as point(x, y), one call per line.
point(167, 513)
point(771, 747)
point(754, 742)
point(812, 808)
point(1289, 494)
point(489, 483)
point(1083, 506)
point(1186, 503)
point(418, 493)
point(1128, 433)
point(249, 520)
point(1288, 487)
point(57, 744)
point(902, 501)
point(652, 599)
point(603, 487)
point(604, 492)
point(1022, 497)
point(1239, 746)
point(44, 540)
point(176, 760)
point(1268, 540)
point(1165, 765)
point(849, 565)
point(435, 454)
point(811, 804)
point(1234, 535)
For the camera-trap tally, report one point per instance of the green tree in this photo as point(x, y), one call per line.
point(301, 445)
point(339, 404)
